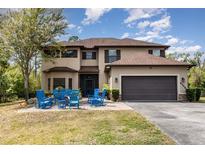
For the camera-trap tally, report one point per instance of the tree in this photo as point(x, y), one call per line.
point(3, 66)
point(73, 38)
point(25, 32)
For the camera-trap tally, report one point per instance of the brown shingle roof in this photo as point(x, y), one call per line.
point(96, 42)
point(60, 69)
point(89, 69)
point(147, 59)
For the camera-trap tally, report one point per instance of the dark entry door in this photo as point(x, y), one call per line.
point(149, 88)
point(90, 85)
point(88, 82)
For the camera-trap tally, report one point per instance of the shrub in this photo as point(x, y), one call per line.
point(193, 94)
point(108, 93)
point(190, 94)
point(198, 94)
point(115, 94)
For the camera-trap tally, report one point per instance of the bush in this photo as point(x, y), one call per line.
point(193, 94)
point(115, 94)
point(108, 93)
point(190, 93)
point(198, 94)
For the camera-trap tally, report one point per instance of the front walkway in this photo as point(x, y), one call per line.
point(184, 122)
point(83, 106)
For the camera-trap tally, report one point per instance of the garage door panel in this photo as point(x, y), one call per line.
point(149, 88)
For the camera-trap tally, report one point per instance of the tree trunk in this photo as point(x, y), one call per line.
point(26, 85)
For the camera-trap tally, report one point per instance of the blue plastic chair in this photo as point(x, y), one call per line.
point(99, 101)
point(60, 99)
point(43, 102)
point(96, 95)
point(74, 100)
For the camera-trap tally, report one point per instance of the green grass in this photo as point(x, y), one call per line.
point(77, 127)
point(202, 100)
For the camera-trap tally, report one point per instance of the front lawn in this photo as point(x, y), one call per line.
point(77, 127)
point(202, 100)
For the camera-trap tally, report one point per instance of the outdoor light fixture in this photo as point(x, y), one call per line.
point(183, 80)
point(116, 79)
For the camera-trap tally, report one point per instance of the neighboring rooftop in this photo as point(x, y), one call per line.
point(142, 59)
point(97, 42)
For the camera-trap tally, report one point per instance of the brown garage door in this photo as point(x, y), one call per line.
point(149, 88)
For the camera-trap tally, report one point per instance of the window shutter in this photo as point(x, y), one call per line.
point(106, 56)
point(70, 83)
point(75, 53)
point(93, 55)
point(118, 55)
point(84, 55)
point(162, 53)
point(150, 52)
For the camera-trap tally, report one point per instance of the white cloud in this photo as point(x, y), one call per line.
point(71, 26)
point(162, 24)
point(143, 24)
point(149, 36)
point(172, 41)
point(136, 14)
point(125, 35)
point(79, 29)
point(93, 15)
point(182, 49)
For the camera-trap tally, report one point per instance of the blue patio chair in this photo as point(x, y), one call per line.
point(43, 102)
point(96, 95)
point(74, 100)
point(99, 101)
point(60, 99)
point(68, 92)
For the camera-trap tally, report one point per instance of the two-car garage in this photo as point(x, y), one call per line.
point(149, 88)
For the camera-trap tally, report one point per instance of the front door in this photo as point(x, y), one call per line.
point(88, 82)
point(90, 85)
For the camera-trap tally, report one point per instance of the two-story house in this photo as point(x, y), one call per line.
point(138, 69)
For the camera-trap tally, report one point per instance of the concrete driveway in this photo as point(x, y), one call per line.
point(184, 122)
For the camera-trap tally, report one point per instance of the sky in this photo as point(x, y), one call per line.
point(182, 29)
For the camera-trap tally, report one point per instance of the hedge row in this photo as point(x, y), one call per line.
point(193, 94)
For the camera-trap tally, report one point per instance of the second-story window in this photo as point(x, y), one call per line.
point(112, 55)
point(51, 53)
point(156, 52)
point(88, 55)
point(69, 54)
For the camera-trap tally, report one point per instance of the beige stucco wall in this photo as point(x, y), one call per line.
point(65, 75)
point(103, 77)
point(73, 63)
point(179, 71)
point(89, 62)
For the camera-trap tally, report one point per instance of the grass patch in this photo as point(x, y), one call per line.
point(77, 127)
point(202, 100)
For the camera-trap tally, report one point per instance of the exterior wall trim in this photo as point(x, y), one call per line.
point(177, 75)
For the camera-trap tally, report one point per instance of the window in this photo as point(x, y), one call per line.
point(49, 84)
point(54, 54)
point(70, 83)
point(159, 53)
point(156, 52)
point(69, 54)
point(58, 82)
point(88, 55)
point(112, 55)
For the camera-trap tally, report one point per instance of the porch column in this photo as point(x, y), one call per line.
point(51, 83)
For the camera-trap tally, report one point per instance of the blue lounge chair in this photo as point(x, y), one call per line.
point(74, 100)
point(60, 99)
point(96, 95)
point(99, 101)
point(43, 102)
